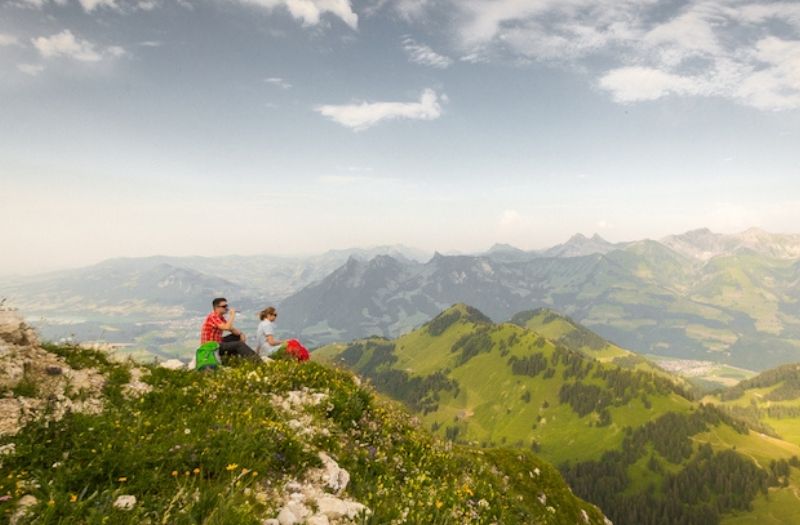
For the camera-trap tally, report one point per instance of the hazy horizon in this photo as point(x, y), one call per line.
point(421, 251)
point(211, 127)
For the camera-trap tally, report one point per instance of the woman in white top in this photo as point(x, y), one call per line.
point(265, 334)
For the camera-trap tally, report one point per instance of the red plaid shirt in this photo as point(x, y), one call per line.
point(211, 330)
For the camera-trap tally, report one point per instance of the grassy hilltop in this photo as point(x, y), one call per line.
point(561, 329)
point(244, 445)
point(629, 439)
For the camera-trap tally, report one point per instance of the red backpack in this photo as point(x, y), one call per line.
point(296, 350)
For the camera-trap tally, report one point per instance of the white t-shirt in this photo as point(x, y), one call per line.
point(265, 328)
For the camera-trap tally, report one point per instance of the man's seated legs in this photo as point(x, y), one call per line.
point(233, 346)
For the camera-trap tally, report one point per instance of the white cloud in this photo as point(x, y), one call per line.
point(367, 114)
point(309, 12)
point(8, 40)
point(31, 69)
point(424, 55)
point(740, 50)
point(91, 5)
point(65, 44)
point(689, 34)
point(636, 84)
point(279, 82)
point(776, 85)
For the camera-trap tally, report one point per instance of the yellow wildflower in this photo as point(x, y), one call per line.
point(174, 474)
point(123, 479)
point(196, 471)
point(231, 467)
point(73, 498)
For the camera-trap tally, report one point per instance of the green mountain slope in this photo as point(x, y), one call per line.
point(565, 331)
point(243, 445)
point(624, 438)
point(770, 401)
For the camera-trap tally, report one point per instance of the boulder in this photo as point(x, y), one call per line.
point(125, 502)
point(331, 475)
point(23, 506)
point(13, 329)
point(10, 415)
point(333, 508)
point(172, 364)
point(287, 517)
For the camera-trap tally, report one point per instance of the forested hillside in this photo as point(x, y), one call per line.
point(629, 440)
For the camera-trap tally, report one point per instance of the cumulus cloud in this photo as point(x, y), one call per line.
point(741, 50)
point(424, 55)
point(65, 44)
point(309, 12)
point(31, 69)
point(367, 114)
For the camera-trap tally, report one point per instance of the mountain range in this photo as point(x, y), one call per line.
point(738, 307)
point(699, 295)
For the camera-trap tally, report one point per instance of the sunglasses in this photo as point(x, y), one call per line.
point(223, 306)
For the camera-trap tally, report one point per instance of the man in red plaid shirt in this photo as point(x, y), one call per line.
point(215, 323)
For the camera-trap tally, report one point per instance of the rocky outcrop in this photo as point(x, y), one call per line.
point(317, 499)
point(33, 379)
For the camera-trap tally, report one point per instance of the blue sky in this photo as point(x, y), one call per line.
point(136, 127)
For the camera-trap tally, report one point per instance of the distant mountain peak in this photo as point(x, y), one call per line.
point(699, 231)
point(503, 247)
point(578, 237)
point(382, 261)
point(579, 245)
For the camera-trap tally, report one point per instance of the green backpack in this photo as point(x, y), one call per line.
point(207, 356)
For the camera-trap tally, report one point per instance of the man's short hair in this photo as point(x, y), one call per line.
point(218, 300)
